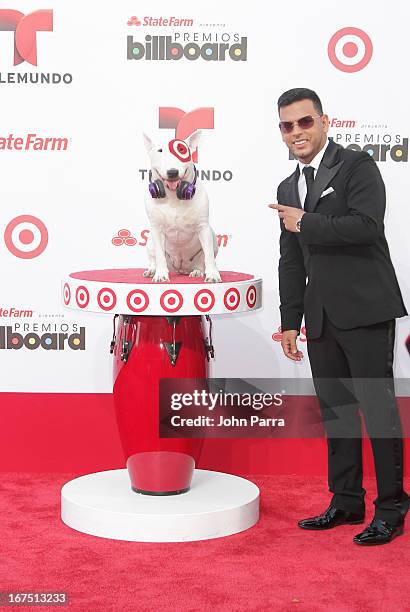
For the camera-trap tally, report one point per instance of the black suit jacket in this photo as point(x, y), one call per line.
point(341, 249)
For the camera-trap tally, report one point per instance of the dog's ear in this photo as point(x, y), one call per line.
point(193, 140)
point(148, 142)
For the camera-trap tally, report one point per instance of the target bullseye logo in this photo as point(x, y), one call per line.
point(171, 300)
point(251, 296)
point(137, 300)
point(204, 300)
point(66, 294)
point(350, 49)
point(106, 299)
point(180, 149)
point(26, 237)
point(232, 299)
point(82, 297)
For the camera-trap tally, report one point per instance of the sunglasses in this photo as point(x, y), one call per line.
point(286, 127)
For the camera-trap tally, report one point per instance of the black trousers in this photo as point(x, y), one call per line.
point(353, 370)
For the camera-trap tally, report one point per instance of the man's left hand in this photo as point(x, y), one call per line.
point(289, 214)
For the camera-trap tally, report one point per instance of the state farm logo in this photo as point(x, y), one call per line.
point(125, 238)
point(170, 22)
point(12, 312)
point(25, 28)
point(277, 336)
point(32, 142)
point(342, 123)
point(26, 237)
point(48, 336)
point(350, 49)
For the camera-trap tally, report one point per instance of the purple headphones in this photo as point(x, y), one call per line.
point(185, 191)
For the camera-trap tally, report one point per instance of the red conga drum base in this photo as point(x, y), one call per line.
point(146, 349)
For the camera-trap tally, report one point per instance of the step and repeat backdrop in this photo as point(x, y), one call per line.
point(80, 85)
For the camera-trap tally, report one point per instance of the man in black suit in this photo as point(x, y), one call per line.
point(332, 234)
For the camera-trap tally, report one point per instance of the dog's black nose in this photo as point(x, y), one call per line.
point(172, 173)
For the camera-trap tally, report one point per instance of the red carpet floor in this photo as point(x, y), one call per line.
point(273, 566)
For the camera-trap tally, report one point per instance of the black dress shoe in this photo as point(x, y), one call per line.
point(332, 517)
point(378, 532)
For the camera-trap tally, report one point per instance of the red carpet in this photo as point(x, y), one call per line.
point(273, 566)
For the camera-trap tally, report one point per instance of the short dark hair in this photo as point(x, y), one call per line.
point(300, 93)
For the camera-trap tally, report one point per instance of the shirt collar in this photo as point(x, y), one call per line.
point(315, 163)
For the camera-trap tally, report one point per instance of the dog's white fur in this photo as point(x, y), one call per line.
point(181, 239)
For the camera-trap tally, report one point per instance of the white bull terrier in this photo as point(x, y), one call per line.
point(181, 239)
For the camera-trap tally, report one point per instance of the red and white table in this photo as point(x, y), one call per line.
point(158, 333)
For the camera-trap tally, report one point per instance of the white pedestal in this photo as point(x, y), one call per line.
point(104, 505)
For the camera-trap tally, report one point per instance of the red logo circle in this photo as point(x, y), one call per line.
point(204, 300)
point(137, 300)
point(26, 237)
point(350, 49)
point(106, 299)
point(66, 294)
point(232, 299)
point(171, 300)
point(82, 297)
point(251, 296)
point(180, 149)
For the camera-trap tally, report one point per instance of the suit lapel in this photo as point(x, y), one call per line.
point(293, 187)
point(328, 168)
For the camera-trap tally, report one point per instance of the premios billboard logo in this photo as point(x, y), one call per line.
point(26, 28)
point(373, 137)
point(210, 45)
point(39, 335)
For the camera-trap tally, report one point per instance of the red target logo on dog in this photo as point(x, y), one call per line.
point(180, 149)
point(26, 237)
point(350, 49)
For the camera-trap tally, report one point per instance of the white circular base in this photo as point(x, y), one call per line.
point(104, 505)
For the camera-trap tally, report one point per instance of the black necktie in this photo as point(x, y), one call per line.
point(308, 172)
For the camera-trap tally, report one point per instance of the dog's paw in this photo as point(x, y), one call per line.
point(196, 273)
point(149, 273)
point(212, 276)
point(160, 276)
